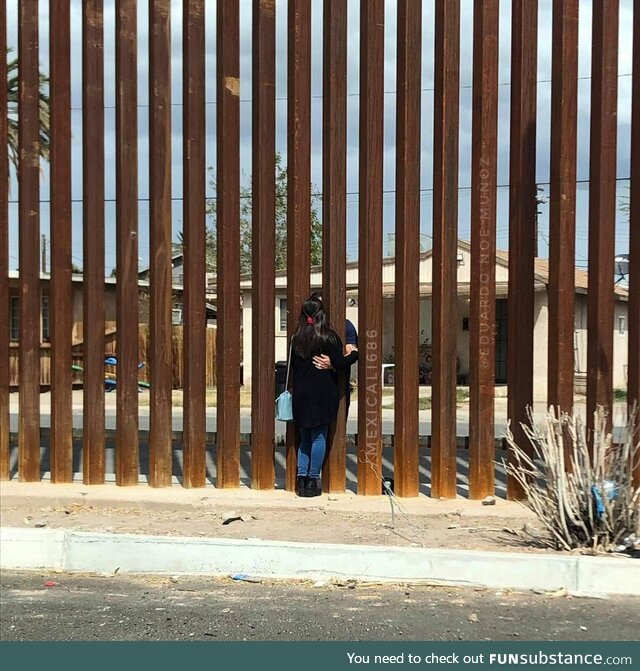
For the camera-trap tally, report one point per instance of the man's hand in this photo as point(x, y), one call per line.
point(350, 348)
point(322, 361)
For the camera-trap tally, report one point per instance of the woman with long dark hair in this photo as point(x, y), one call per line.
point(316, 394)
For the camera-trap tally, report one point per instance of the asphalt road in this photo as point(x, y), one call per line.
point(161, 608)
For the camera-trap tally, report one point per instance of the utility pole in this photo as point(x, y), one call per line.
point(540, 200)
point(44, 253)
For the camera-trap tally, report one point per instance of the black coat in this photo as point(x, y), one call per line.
point(316, 394)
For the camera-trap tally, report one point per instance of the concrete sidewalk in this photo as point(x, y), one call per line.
point(154, 498)
point(68, 549)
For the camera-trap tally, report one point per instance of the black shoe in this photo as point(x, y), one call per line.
point(301, 486)
point(312, 488)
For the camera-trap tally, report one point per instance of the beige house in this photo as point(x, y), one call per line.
point(541, 317)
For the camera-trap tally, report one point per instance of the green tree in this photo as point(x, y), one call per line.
point(245, 225)
point(12, 112)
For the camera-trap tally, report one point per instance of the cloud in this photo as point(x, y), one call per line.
point(426, 170)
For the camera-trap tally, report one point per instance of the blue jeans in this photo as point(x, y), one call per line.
point(313, 445)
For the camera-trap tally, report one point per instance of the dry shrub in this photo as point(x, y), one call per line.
point(589, 503)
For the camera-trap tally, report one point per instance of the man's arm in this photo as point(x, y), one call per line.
point(323, 362)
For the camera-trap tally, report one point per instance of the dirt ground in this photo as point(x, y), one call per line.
point(306, 522)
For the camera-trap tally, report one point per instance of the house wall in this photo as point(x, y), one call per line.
point(109, 309)
point(463, 336)
point(246, 337)
point(541, 343)
point(77, 304)
point(426, 334)
point(580, 334)
point(282, 343)
point(541, 324)
point(620, 340)
point(620, 345)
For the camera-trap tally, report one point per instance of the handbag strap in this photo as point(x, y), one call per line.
point(286, 384)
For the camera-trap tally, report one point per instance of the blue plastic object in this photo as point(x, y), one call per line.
point(610, 491)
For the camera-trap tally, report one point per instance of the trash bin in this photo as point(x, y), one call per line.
point(281, 377)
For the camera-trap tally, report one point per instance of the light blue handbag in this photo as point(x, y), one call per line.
point(284, 402)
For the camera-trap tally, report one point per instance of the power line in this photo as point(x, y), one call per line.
point(319, 195)
point(353, 94)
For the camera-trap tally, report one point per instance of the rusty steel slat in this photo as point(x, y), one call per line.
point(298, 182)
point(522, 223)
point(161, 373)
point(334, 217)
point(194, 223)
point(127, 454)
point(263, 245)
point(61, 300)
point(407, 297)
point(445, 247)
point(633, 383)
point(482, 316)
point(562, 207)
point(370, 247)
point(29, 234)
point(228, 253)
point(602, 210)
point(4, 259)
point(93, 240)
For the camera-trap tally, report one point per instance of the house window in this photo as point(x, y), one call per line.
point(45, 317)
point(622, 325)
point(14, 318)
point(14, 321)
point(283, 314)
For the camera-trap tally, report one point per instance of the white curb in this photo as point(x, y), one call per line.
point(131, 553)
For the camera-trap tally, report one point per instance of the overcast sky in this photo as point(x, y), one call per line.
point(544, 102)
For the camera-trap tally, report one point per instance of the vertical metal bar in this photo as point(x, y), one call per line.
point(4, 257)
point(263, 245)
point(602, 209)
point(633, 388)
point(298, 180)
point(562, 208)
point(522, 224)
point(370, 246)
point(334, 213)
point(228, 238)
point(445, 247)
point(61, 293)
point(482, 322)
point(161, 373)
point(407, 316)
point(93, 240)
point(127, 457)
point(194, 222)
point(29, 225)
